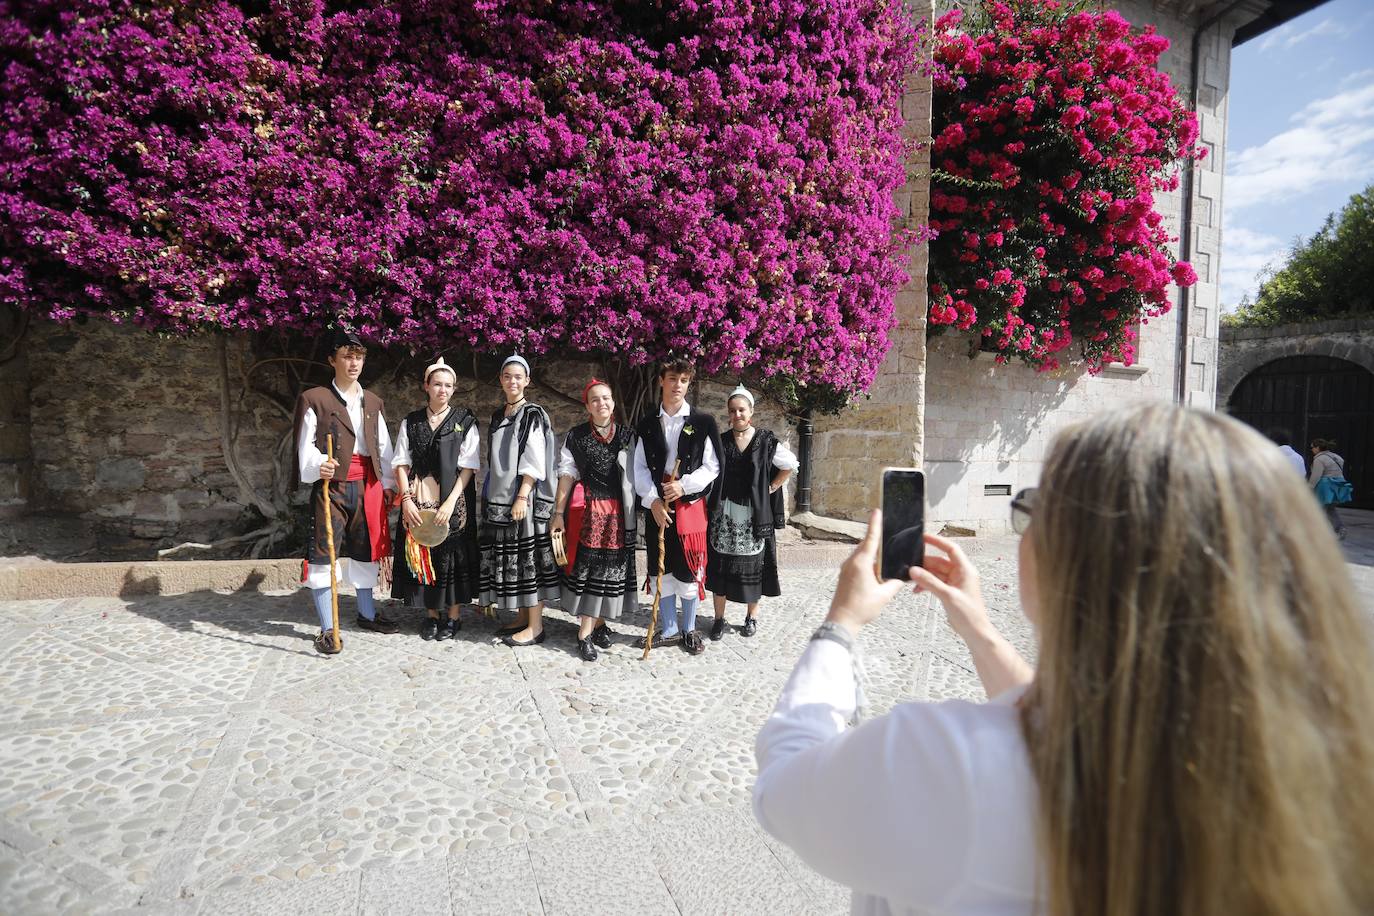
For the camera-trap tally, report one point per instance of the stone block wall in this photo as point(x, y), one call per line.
point(887, 428)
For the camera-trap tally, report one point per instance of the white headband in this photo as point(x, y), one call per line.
point(741, 392)
point(516, 358)
point(437, 365)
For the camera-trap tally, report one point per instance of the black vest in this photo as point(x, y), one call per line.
point(699, 429)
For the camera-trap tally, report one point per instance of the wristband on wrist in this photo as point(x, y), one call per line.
point(835, 633)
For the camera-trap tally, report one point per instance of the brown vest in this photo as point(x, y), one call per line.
point(331, 416)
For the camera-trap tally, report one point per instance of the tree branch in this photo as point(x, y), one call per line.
point(249, 493)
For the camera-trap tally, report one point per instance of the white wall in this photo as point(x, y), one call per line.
point(987, 424)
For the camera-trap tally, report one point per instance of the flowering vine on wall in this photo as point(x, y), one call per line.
point(600, 177)
point(1053, 131)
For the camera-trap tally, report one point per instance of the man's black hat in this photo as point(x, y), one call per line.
point(341, 336)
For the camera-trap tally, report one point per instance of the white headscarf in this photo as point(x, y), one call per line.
point(741, 392)
point(515, 358)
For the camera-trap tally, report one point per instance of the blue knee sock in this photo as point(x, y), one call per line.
point(365, 606)
point(323, 607)
point(667, 615)
point(689, 614)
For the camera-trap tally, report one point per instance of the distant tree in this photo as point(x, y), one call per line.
point(1330, 275)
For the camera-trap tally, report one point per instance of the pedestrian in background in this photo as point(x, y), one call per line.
point(1285, 444)
point(1327, 479)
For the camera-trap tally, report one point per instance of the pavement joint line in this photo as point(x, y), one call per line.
point(205, 802)
point(22, 726)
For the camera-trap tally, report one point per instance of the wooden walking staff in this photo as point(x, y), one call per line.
point(658, 586)
point(329, 533)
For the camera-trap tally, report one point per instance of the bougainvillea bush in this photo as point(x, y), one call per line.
point(616, 178)
point(1053, 131)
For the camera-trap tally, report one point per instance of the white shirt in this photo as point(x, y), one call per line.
point(1294, 459)
point(929, 809)
point(692, 483)
point(469, 453)
point(309, 458)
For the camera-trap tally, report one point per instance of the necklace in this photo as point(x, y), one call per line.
point(604, 433)
point(511, 405)
point(434, 415)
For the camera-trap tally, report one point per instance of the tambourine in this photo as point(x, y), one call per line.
point(560, 546)
point(429, 533)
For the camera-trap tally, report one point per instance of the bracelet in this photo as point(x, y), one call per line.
point(525, 498)
point(405, 496)
point(835, 633)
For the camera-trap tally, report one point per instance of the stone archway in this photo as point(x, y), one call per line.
point(1244, 350)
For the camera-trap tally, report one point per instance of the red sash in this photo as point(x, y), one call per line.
point(374, 507)
point(690, 521)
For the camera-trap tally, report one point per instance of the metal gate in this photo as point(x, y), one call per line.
point(1315, 397)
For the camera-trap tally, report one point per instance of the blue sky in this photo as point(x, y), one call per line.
point(1300, 137)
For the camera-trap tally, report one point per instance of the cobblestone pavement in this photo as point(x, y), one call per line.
point(194, 755)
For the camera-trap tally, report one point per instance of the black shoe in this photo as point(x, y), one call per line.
point(324, 643)
point(378, 625)
point(692, 643)
point(660, 640)
point(751, 626)
point(586, 649)
point(601, 636)
point(450, 627)
point(510, 628)
point(717, 629)
point(510, 641)
point(430, 628)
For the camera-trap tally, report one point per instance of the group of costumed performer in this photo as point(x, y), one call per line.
point(714, 505)
point(599, 526)
point(343, 447)
point(436, 460)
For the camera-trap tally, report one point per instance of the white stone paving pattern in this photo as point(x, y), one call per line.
point(193, 754)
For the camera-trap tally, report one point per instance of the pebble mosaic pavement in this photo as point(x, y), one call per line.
point(193, 754)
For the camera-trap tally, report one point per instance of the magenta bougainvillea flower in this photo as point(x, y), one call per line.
point(608, 178)
point(1053, 131)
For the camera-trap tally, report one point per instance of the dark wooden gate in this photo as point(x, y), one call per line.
point(1315, 397)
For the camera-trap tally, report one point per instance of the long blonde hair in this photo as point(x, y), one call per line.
point(1199, 727)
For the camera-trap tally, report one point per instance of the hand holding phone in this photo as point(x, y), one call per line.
point(904, 514)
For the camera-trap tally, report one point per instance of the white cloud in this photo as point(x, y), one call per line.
point(1291, 34)
point(1332, 143)
point(1244, 254)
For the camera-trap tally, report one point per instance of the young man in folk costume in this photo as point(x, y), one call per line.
point(675, 435)
point(361, 485)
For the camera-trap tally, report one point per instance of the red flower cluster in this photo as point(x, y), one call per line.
point(1052, 133)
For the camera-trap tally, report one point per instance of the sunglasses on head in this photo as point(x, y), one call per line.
point(1021, 505)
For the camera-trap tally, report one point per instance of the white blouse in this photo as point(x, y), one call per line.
point(469, 455)
point(928, 809)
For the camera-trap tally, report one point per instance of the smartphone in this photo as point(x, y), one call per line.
point(904, 522)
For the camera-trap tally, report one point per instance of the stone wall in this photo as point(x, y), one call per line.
point(127, 428)
point(16, 451)
point(987, 426)
point(1243, 350)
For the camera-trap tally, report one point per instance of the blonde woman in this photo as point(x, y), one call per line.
point(1194, 740)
